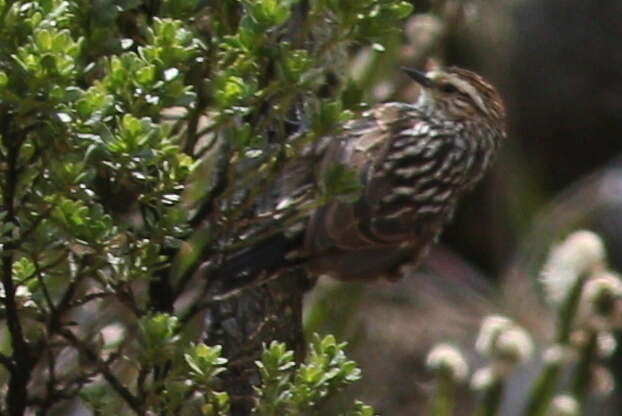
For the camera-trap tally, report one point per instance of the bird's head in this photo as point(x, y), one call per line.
point(459, 94)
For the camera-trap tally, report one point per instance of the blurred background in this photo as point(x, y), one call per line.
point(558, 65)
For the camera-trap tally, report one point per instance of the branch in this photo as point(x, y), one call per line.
point(132, 401)
point(6, 362)
point(24, 362)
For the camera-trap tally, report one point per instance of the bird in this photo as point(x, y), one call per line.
point(414, 162)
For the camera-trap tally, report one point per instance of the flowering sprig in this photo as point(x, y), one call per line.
point(450, 367)
point(588, 300)
point(505, 344)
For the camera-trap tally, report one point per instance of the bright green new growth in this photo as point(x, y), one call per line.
point(291, 389)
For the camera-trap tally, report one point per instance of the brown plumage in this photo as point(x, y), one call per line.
point(414, 161)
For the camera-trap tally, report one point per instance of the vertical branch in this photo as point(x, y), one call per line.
point(198, 74)
point(243, 324)
point(267, 304)
point(24, 362)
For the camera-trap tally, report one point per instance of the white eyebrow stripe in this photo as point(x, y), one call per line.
point(462, 86)
point(471, 91)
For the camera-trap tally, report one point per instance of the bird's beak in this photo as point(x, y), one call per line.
point(418, 76)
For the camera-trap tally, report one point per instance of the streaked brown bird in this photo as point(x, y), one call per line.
point(414, 162)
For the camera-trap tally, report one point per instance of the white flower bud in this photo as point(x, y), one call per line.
point(600, 300)
point(559, 354)
point(483, 378)
point(564, 405)
point(514, 344)
point(501, 338)
point(581, 252)
point(607, 344)
point(491, 327)
point(602, 381)
point(447, 359)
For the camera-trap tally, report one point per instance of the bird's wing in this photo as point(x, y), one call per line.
point(364, 147)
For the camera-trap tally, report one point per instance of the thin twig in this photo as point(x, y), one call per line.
point(132, 401)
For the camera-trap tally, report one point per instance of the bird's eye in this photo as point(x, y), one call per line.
point(448, 88)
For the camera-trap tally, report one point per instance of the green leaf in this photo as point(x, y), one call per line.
point(158, 335)
point(360, 409)
point(23, 269)
point(4, 79)
point(146, 74)
point(205, 362)
point(403, 9)
point(329, 117)
point(296, 64)
point(341, 183)
point(232, 90)
point(267, 13)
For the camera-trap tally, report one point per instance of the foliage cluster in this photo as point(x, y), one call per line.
point(121, 123)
